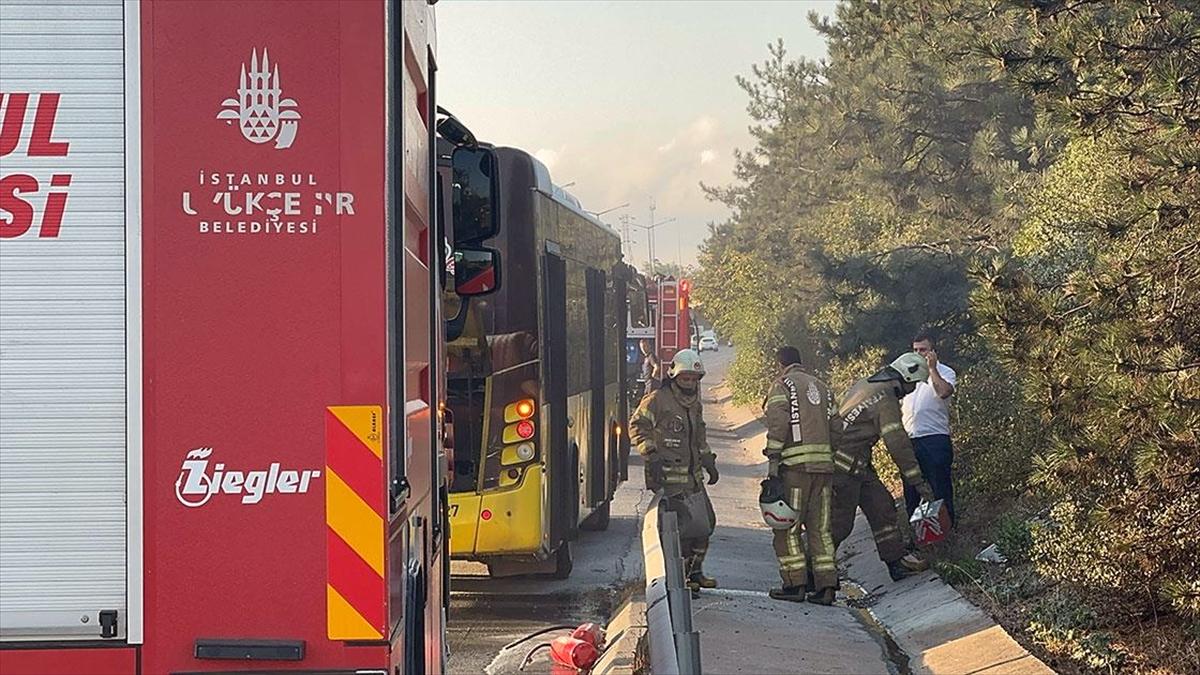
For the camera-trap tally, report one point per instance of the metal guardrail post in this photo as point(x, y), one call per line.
point(687, 646)
point(674, 643)
point(687, 640)
point(660, 634)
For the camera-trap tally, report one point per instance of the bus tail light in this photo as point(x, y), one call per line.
point(518, 454)
point(519, 446)
point(516, 433)
point(525, 429)
point(519, 410)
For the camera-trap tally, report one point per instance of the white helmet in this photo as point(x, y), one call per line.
point(910, 367)
point(686, 361)
point(772, 501)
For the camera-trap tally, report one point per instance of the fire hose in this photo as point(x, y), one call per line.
point(580, 650)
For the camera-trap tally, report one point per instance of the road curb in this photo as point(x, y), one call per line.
point(930, 621)
point(626, 633)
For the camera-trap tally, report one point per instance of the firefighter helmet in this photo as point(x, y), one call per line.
point(772, 500)
point(910, 367)
point(686, 361)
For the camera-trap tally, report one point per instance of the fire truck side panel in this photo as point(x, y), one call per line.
point(79, 661)
point(414, 583)
point(257, 323)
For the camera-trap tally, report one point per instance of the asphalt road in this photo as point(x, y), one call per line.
point(742, 630)
point(487, 614)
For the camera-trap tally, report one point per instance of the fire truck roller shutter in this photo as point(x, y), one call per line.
point(70, 323)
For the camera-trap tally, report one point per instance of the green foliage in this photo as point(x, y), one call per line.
point(1024, 177)
point(1093, 649)
point(963, 571)
point(1013, 537)
point(1099, 323)
point(995, 441)
point(1068, 627)
point(756, 328)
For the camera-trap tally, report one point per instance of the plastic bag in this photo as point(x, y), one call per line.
point(931, 522)
point(695, 514)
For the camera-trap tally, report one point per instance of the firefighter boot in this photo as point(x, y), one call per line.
point(789, 593)
point(695, 574)
point(907, 566)
point(824, 596)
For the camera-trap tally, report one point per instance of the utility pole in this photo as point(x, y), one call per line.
point(650, 236)
point(626, 238)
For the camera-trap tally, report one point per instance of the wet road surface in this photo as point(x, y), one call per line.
point(487, 614)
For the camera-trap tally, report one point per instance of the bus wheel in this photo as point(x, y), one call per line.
point(563, 562)
point(598, 521)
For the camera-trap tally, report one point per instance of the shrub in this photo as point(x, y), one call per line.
point(1013, 537)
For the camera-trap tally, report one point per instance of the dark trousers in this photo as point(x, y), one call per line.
point(935, 454)
point(866, 491)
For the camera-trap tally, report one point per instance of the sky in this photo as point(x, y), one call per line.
point(630, 100)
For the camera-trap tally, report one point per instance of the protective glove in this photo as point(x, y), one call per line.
point(925, 491)
point(656, 474)
point(710, 465)
point(773, 467)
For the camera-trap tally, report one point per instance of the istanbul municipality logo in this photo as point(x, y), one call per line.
point(261, 114)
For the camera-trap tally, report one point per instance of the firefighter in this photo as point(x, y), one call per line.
point(669, 433)
point(798, 409)
point(870, 411)
point(651, 367)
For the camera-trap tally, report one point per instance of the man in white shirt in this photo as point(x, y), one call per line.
point(926, 414)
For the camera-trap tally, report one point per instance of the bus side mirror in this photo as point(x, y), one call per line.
point(476, 271)
point(474, 201)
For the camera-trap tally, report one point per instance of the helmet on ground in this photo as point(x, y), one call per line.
point(772, 500)
point(910, 367)
point(686, 361)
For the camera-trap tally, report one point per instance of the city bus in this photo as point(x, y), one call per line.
point(535, 379)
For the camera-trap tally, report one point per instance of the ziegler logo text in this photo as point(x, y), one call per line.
point(197, 482)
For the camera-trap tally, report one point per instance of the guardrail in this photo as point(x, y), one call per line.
point(674, 644)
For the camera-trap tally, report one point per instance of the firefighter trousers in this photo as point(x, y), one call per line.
point(693, 551)
point(866, 491)
point(810, 496)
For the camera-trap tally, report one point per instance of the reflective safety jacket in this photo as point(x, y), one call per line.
point(668, 428)
point(799, 408)
point(870, 411)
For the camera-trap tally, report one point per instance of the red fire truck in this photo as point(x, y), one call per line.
point(658, 311)
point(671, 326)
point(220, 337)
